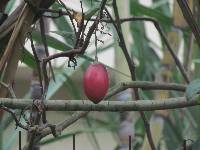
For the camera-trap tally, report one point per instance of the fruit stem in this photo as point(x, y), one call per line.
point(96, 57)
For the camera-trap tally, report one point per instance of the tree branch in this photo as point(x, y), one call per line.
point(187, 13)
point(9, 88)
point(86, 105)
point(61, 126)
point(17, 122)
point(131, 65)
point(146, 85)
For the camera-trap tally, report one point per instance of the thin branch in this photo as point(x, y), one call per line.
point(187, 13)
point(93, 26)
point(131, 66)
point(146, 85)
point(63, 125)
point(176, 59)
point(59, 12)
point(37, 60)
point(44, 40)
point(81, 29)
point(115, 106)
point(9, 88)
point(17, 122)
point(70, 16)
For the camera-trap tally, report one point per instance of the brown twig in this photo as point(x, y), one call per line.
point(17, 122)
point(37, 60)
point(70, 16)
point(44, 40)
point(59, 12)
point(93, 27)
point(146, 85)
point(81, 29)
point(131, 66)
point(187, 13)
point(63, 125)
point(9, 88)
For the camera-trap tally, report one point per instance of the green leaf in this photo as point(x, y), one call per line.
point(28, 59)
point(192, 89)
point(52, 42)
point(196, 61)
point(63, 24)
point(91, 12)
point(72, 88)
point(159, 4)
point(90, 3)
point(138, 9)
point(173, 131)
point(145, 54)
point(65, 136)
point(9, 6)
point(62, 33)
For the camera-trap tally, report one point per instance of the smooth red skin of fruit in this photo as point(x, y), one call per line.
point(96, 82)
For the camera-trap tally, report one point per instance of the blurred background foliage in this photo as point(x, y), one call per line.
point(173, 127)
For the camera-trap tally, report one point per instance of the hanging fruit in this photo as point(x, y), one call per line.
point(96, 82)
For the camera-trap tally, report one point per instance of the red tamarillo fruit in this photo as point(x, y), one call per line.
point(96, 82)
